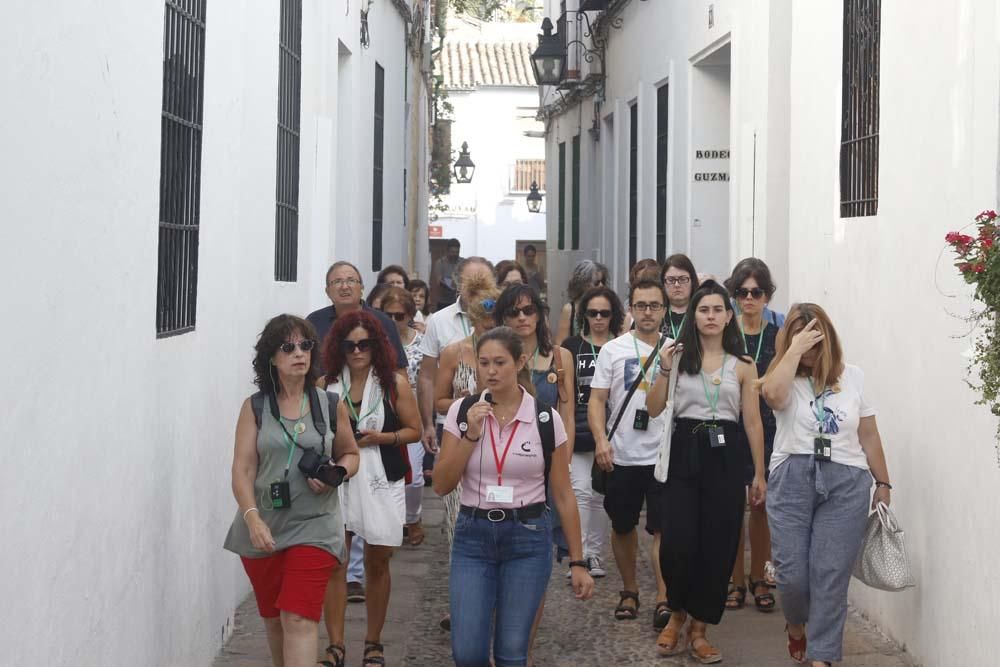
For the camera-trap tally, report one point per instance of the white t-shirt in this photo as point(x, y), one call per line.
point(443, 328)
point(617, 368)
point(843, 411)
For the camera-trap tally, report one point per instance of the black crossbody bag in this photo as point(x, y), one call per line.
point(598, 475)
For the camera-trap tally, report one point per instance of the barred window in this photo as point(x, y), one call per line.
point(180, 166)
point(286, 215)
point(575, 220)
point(633, 185)
point(859, 128)
point(377, 168)
point(562, 195)
point(662, 98)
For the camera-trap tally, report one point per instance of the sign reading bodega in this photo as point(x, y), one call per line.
point(703, 176)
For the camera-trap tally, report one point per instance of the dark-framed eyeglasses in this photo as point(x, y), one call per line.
point(305, 345)
point(754, 292)
point(593, 312)
point(654, 307)
point(677, 280)
point(350, 346)
point(527, 311)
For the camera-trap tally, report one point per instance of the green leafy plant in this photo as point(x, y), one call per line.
point(978, 260)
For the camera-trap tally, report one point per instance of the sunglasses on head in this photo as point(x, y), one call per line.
point(743, 293)
point(527, 311)
point(363, 345)
point(593, 312)
point(399, 317)
point(304, 345)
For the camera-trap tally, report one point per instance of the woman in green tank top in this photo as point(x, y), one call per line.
point(288, 530)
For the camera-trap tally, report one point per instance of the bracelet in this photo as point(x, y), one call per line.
point(252, 509)
point(465, 434)
point(885, 484)
point(665, 372)
point(579, 563)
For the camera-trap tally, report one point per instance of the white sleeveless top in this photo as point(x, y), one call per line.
point(690, 399)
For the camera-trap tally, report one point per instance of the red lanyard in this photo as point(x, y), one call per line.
point(497, 459)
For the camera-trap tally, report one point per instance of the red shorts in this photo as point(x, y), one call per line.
point(293, 580)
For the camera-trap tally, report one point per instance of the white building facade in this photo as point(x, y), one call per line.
point(754, 91)
point(486, 75)
point(121, 410)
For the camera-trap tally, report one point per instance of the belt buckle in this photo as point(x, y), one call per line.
point(502, 514)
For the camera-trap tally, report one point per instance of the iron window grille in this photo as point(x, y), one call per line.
point(859, 127)
point(575, 219)
point(180, 166)
point(562, 195)
point(377, 168)
point(633, 185)
point(662, 98)
point(286, 216)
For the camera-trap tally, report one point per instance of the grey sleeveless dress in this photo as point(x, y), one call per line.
point(313, 519)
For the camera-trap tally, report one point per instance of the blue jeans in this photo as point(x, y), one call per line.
point(499, 572)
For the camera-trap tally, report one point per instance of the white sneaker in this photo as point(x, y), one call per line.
point(596, 567)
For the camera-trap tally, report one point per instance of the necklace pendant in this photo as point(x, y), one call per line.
point(717, 380)
point(299, 428)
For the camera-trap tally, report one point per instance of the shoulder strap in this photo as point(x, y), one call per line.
point(333, 400)
point(635, 385)
point(257, 405)
point(544, 417)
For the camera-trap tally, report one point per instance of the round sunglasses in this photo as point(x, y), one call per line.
point(304, 345)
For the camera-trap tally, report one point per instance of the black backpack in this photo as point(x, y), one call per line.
point(257, 405)
point(543, 419)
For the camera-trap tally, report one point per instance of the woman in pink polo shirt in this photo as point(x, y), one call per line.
point(501, 556)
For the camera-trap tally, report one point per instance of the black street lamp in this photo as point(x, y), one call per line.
point(464, 166)
point(534, 198)
point(549, 58)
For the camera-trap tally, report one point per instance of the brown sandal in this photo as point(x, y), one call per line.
point(796, 647)
point(670, 641)
point(737, 596)
point(415, 531)
point(706, 654)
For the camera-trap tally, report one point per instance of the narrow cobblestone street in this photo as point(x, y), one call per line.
point(573, 634)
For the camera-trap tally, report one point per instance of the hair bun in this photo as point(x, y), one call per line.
point(478, 283)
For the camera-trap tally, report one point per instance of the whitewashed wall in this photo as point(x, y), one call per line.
point(485, 216)
point(890, 291)
point(116, 478)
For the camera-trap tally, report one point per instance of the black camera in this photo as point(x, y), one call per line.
point(315, 466)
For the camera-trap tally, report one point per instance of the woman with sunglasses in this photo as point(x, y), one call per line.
point(704, 494)
point(586, 274)
point(502, 550)
point(384, 418)
point(680, 280)
point(288, 552)
point(751, 288)
point(601, 318)
point(398, 304)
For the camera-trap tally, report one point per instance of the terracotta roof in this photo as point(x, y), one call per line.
point(475, 61)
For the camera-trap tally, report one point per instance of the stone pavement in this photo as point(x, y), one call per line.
point(573, 633)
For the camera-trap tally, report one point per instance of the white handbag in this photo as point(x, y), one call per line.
point(662, 468)
point(882, 560)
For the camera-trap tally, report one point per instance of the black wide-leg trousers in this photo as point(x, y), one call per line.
point(702, 516)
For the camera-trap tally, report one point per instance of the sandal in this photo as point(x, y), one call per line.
point(415, 533)
point(670, 640)
point(765, 601)
point(337, 653)
point(737, 596)
point(796, 647)
point(373, 660)
point(661, 615)
point(626, 613)
point(706, 654)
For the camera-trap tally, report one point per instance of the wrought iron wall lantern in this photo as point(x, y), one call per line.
point(534, 198)
point(464, 166)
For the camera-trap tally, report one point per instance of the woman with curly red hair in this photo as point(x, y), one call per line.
point(361, 368)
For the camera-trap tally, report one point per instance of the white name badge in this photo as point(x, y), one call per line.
point(499, 494)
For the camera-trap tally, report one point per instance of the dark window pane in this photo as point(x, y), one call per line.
point(286, 216)
point(860, 112)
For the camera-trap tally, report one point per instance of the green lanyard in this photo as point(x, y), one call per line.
point(593, 350)
point(670, 320)
point(713, 401)
point(293, 441)
point(638, 357)
point(534, 360)
point(746, 348)
point(818, 405)
point(465, 326)
point(350, 404)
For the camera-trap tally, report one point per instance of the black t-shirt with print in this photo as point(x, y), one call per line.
point(584, 363)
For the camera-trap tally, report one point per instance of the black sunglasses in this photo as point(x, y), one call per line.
point(363, 345)
point(304, 345)
point(399, 317)
point(527, 311)
point(743, 293)
point(593, 312)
